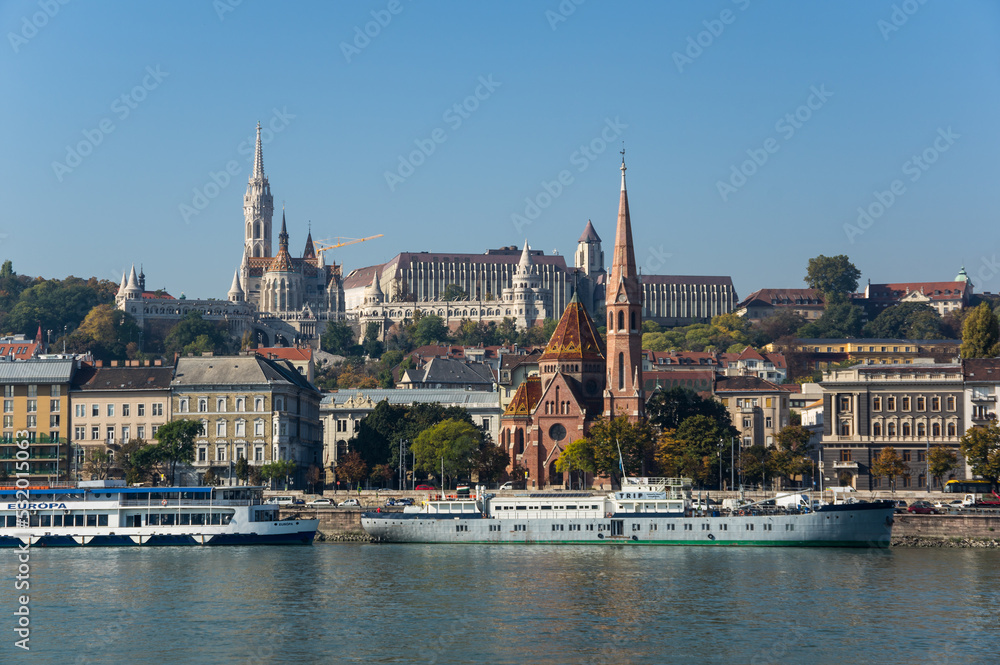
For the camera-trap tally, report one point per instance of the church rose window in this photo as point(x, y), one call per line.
point(557, 432)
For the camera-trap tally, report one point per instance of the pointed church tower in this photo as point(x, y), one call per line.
point(623, 394)
point(258, 208)
point(309, 253)
point(236, 291)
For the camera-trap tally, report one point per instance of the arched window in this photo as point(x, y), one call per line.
point(632, 321)
point(891, 429)
point(877, 429)
point(611, 320)
point(621, 320)
point(621, 369)
point(936, 429)
point(921, 429)
point(951, 429)
point(906, 429)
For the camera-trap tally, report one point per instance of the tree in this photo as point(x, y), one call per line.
point(193, 334)
point(382, 474)
point(908, 320)
point(577, 456)
point(278, 469)
point(454, 292)
point(980, 446)
point(98, 464)
point(777, 326)
point(57, 305)
point(372, 344)
point(888, 464)
point(840, 320)
point(105, 332)
point(940, 462)
point(176, 443)
point(210, 478)
point(338, 338)
point(136, 465)
point(635, 441)
point(699, 443)
point(312, 478)
point(667, 409)
point(352, 468)
point(834, 276)
point(430, 329)
point(454, 441)
point(980, 333)
point(242, 469)
point(491, 461)
point(754, 464)
point(791, 457)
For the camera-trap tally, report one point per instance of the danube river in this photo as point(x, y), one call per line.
point(343, 603)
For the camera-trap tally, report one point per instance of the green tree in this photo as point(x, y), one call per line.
point(105, 332)
point(430, 329)
point(193, 334)
point(57, 305)
point(980, 333)
point(667, 409)
point(888, 464)
point(242, 469)
point(699, 443)
point(940, 462)
point(98, 464)
point(454, 292)
point(782, 324)
point(338, 338)
point(980, 446)
point(176, 444)
point(908, 320)
point(840, 320)
point(491, 461)
point(754, 464)
point(210, 478)
point(454, 441)
point(834, 276)
point(507, 331)
point(577, 456)
point(791, 456)
point(372, 344)
point(129, 458)
point(635, 441)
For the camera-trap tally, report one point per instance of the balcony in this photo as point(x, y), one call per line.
point(845, 465)
point(983, 398)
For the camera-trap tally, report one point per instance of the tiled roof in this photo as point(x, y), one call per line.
point(574, 337)
point(362, 277)
point(123, 378)
point(236, 370)
point(784, 298)
point(744, 384)
point(589, 234)
point(981, 369)
point(525, 398)
point(286, 353)
point(282, 262)
point(933, 290)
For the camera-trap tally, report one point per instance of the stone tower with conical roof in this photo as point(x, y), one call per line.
point(258, 208)
point(531, 303)
point(623, 395)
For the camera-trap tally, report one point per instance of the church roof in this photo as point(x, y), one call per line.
point(282, 262)
point(589, 234)
point(574, 337)
point(525, 398)
point(310, 251)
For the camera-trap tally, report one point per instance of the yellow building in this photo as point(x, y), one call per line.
point(821, 353)
point(35, 411)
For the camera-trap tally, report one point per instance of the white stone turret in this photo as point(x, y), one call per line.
point(132, 290)
point(373, 292)
point(532, 302)
point(236, 293)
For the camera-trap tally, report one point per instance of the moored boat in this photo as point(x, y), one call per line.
point(106, 513)
point(646, 511)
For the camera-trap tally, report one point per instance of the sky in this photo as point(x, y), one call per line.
point(757, 134)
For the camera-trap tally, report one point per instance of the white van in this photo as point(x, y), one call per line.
point(280, 500)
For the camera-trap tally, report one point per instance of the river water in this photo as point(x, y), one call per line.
point(379, 603)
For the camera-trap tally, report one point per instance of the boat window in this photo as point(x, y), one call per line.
point(91, 520)
point(153, 519)
point(570, 507)
point(57, 520)
point(102, 520)
point(546, 507)
point(198, 519)
point(167, 519)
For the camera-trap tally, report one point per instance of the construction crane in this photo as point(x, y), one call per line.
point(323, 245)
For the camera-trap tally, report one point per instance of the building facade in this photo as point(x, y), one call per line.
point(36, 411)
point(759, 409)
point(115, 404)
point(249, 406)
point(908, 407)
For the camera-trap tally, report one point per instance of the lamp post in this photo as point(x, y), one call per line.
point(720, 464)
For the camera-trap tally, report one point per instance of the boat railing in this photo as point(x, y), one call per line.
point(174, 503)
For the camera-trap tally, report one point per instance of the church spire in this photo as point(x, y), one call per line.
point(258, 160)
point(623, 260)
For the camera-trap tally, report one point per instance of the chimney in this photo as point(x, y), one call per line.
point(98, 363)
point(158, 362)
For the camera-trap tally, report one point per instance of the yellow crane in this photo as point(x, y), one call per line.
point(329, 243)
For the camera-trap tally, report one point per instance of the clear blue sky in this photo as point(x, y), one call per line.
point(887, 94)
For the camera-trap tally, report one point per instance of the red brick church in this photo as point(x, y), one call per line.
point(579, 380)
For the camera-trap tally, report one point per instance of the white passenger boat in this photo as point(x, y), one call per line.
point(646, 511)
point(106, 513)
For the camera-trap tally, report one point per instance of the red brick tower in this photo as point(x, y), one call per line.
point(623, 394)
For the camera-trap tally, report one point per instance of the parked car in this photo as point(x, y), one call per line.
point(322, 502)
point(424, 487)
point(507, 486)
point(922, 508)
point(405, 501)
point(899, 506)
point(390, 502)
point(349, 502)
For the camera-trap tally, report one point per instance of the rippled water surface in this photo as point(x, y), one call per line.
point(505, 604)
